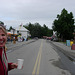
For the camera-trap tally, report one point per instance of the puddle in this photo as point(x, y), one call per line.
point(58, 64)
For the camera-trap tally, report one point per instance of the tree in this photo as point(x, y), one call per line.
point(10, 28)
point(31, 28)
point(1, 22)
point(36, 30)
point(64, 25)
point(47, 31)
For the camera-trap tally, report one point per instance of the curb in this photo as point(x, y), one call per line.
point(17, 46)
point(66, 50)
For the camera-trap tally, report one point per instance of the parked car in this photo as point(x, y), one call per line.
point(49, 38)
point(55, 39)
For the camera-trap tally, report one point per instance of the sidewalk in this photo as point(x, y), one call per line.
point(66, 49)
point(11, 45)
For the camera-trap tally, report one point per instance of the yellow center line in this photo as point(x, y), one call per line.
point(37, 63)
point(38, 68)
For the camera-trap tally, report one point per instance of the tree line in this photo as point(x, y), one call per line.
point(36, 30)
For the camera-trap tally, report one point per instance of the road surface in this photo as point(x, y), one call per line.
point(41, 58)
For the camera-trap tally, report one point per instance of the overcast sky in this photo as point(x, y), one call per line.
point(15, 12)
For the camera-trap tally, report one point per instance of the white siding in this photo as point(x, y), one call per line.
point(22, 30)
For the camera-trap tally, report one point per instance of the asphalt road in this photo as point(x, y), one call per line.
point(41, 58)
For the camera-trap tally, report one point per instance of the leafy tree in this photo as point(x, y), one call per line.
point(36, 30)
point(10, 28)
point(30, 27)
point(64, 25)
point(1, 22)
point(47, 31)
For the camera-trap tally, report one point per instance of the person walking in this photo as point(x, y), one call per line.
point(4, 65)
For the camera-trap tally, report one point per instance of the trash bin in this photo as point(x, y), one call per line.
point(68, 42)
point(71, 42)
point(73, 47)
point(14, 42)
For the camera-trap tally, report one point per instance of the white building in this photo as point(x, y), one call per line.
point(21, 30)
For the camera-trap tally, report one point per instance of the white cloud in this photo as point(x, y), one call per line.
point(15, 12)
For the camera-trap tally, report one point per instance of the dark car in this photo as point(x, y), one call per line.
point(55, 39)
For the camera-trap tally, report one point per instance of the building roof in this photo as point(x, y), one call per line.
point(21, 28)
